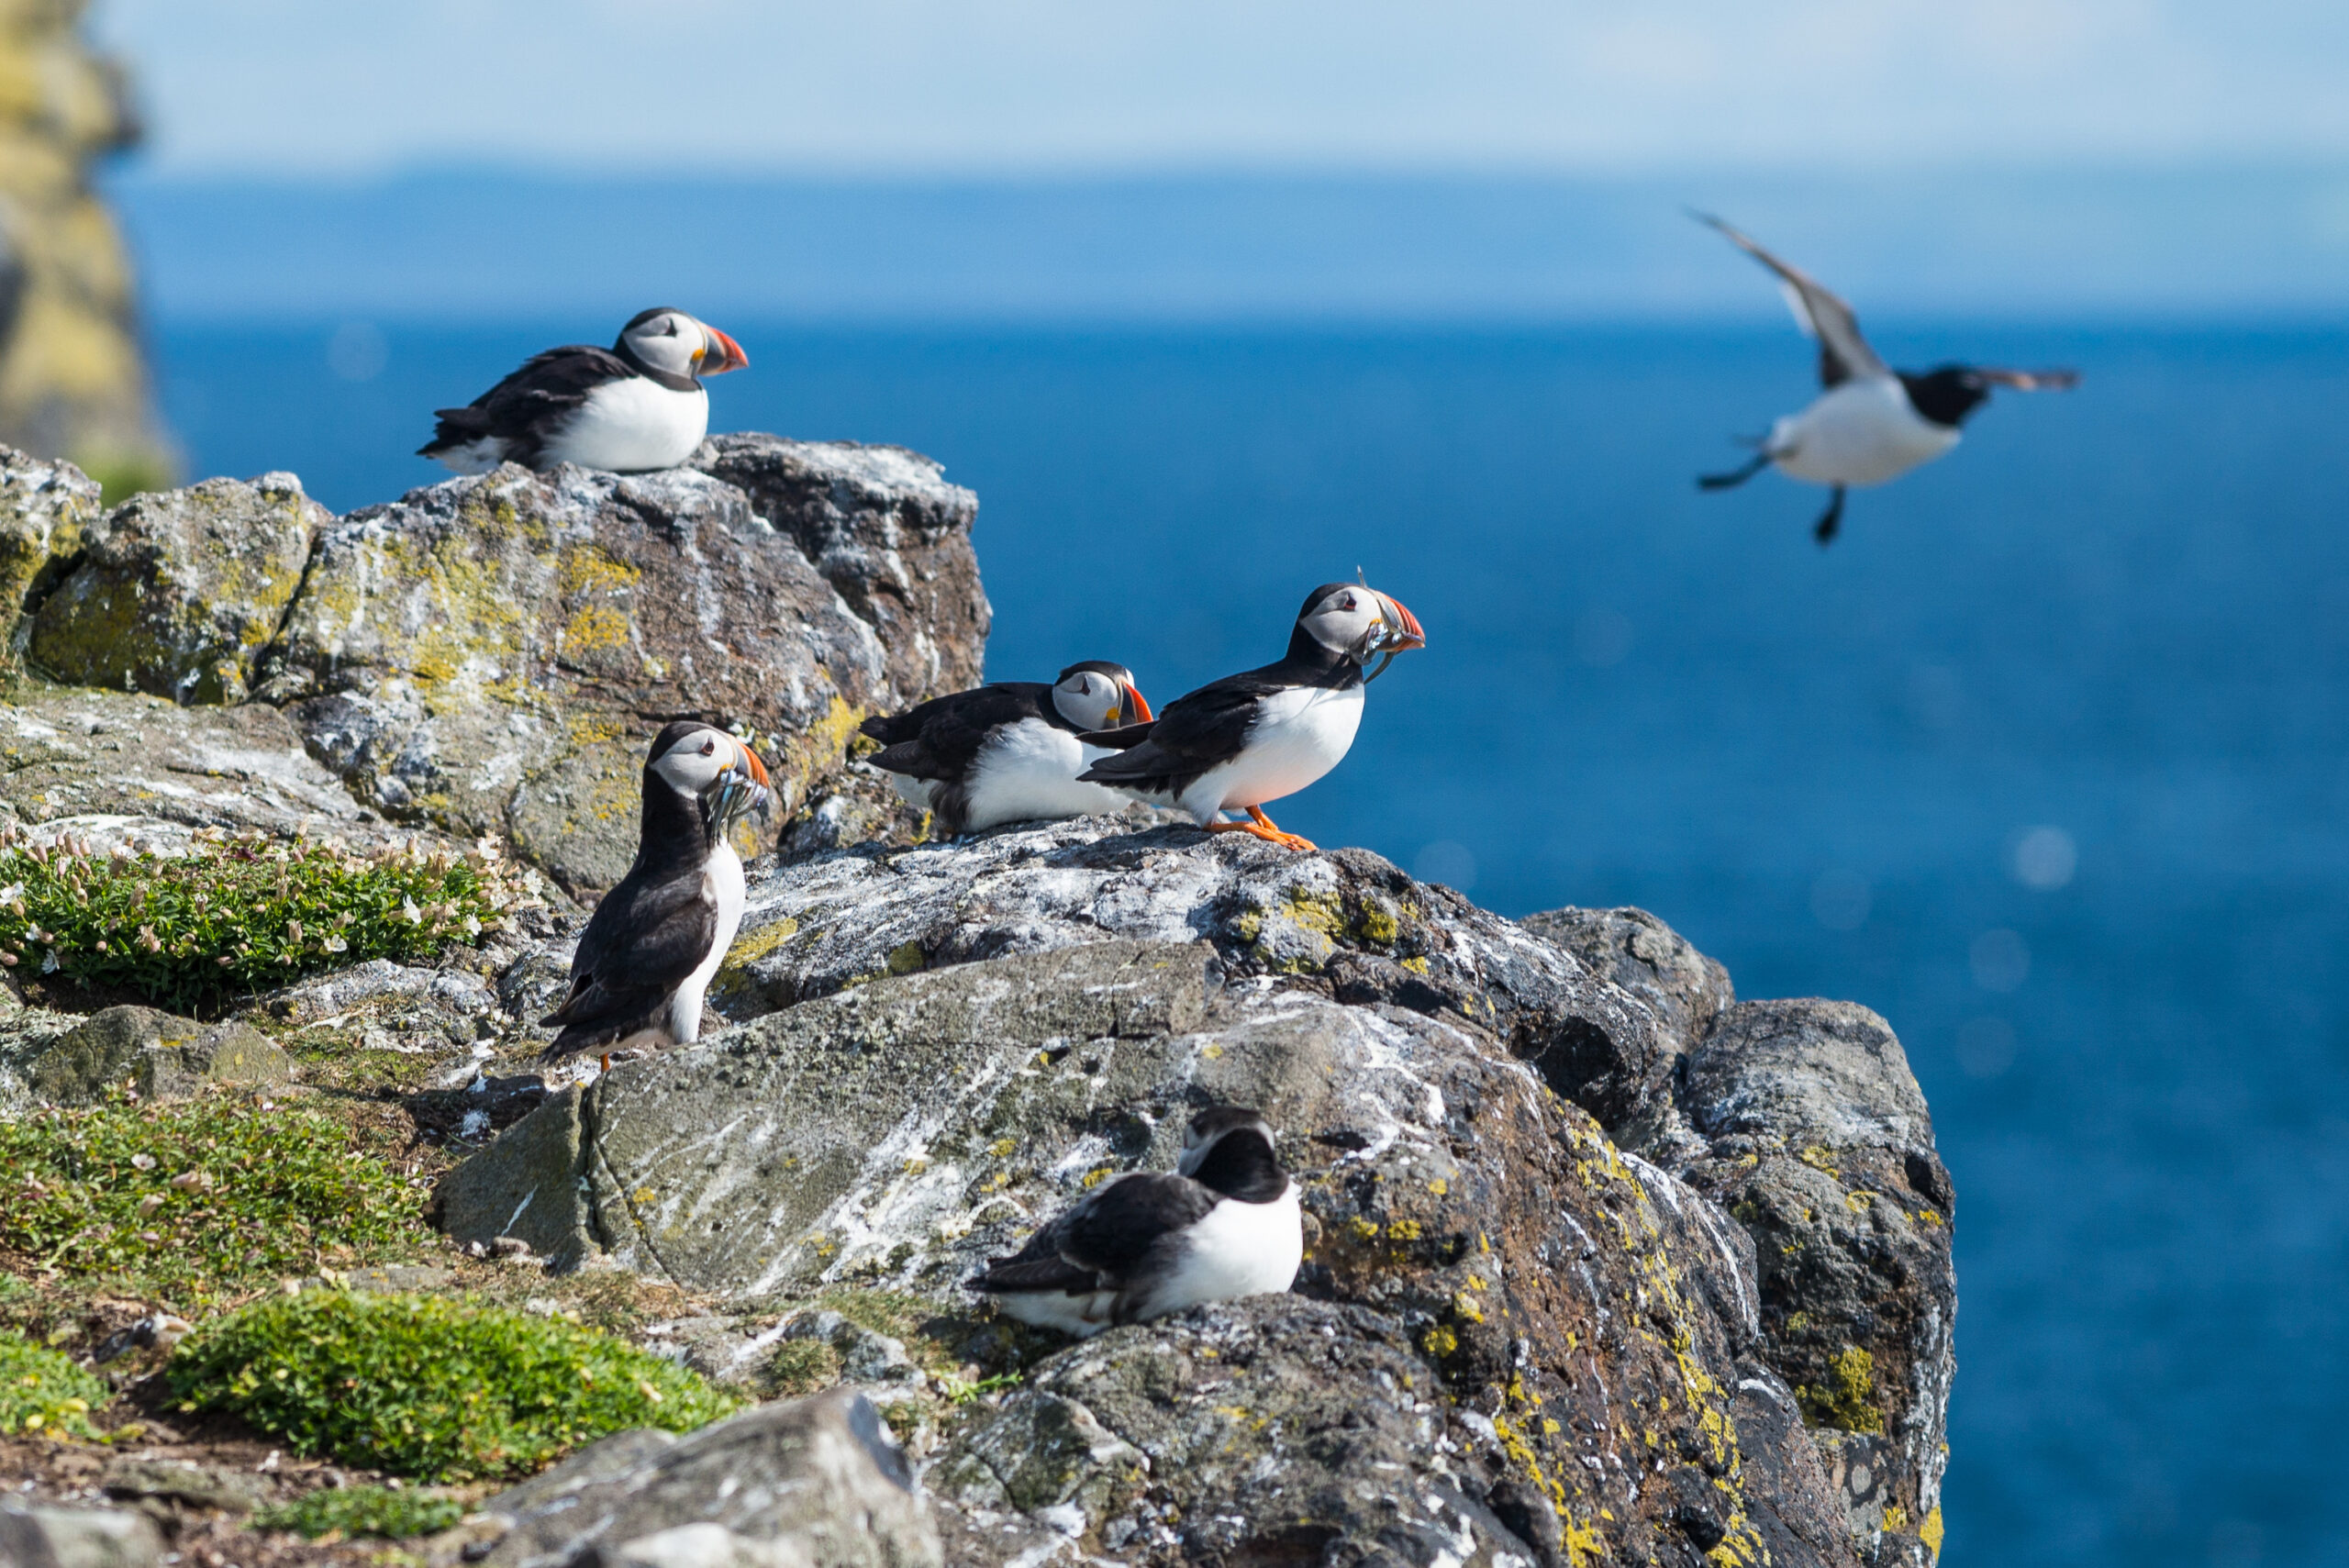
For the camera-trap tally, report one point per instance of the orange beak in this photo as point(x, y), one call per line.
point(724, 354)
point(758, 769)
point(1412, 636)
point(1139, 710)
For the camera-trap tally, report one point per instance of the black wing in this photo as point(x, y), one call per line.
point(1104, 1238)
point(1192, 734)
point(1842, 353)
point(938, 739)
point(525, 408)
point(640, 945)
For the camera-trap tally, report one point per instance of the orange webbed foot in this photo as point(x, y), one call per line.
point(1260, 826)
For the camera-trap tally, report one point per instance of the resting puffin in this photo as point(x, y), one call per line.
point(1265, 733)
point(655, 941)
point(1871, 424)
point(636, 405)
point(1007, 752)
point(1223, 1224)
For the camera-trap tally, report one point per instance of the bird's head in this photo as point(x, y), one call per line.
point(720, 775)
point(677, 344)
point(1359, 622)
point(1097, 695)
point(1947, 394)
point(1215, 1124)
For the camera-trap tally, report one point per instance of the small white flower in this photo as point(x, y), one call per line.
point(336, 944)
point(409, 912)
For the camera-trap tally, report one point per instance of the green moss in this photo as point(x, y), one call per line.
point(234, 914)
point(424, 1386)
point(907, 957)
point(803, 1366)
point(42, 1392)
point(392, 1512)
point(192, 1203)
point(1846, 1401)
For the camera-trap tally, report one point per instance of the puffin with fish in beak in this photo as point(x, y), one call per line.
point(1265, 733)
point(1007, 752)
point(631, 408)
point(654, 942)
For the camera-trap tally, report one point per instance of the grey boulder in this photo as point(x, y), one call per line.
point(163, 1056)
point(76, 1538)
point(814, 1483)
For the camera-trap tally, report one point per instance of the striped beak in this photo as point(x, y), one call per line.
point(1403, 631)
point(1135, 710)
point(723, 353)
point(753, 766)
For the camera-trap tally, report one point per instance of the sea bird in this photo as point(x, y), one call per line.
point(1267, 733)
point(1222, 1224)
point(1009, 752)
point(652, 944)
point(1870, 424)
point(634, 407)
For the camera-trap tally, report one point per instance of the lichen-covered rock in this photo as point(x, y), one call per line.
point(162, 1056)
point(1348, 919)
point(72, 377)
point(1527, 1281)
point(884, 527)
point(112, 766)
point(178, 592)
point(44, 507)
point(484, 652)
point(77, 1538)
point(812, 1482)
point(1820, 1145)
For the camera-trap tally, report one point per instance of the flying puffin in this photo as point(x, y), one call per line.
point(1222, 1224)
point(652, 944)
point(636, 405)
point(1265, 733)
point(1871, 423)
point(1007, 752)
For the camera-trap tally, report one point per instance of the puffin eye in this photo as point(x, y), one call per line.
point(708, 747)
point(1348, 604)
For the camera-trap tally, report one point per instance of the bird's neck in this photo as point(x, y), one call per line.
point(1241, 1166)
point(673, 829)
point(1307, 655)
point(652, 372)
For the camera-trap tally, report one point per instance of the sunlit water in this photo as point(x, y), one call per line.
point(2044, 760)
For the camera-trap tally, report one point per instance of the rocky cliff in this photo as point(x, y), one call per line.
point(1604, 1265)
point(72, 377)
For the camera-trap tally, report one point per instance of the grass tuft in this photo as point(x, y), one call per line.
point(427, 1387)
point(236, 914)
point(392, 1512)
point(43, 1392)
point(194, 1202)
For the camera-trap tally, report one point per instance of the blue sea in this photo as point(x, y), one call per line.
point(2047, 760)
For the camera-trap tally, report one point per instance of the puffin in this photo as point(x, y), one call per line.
point(651, 946)
point(1007, 752)
point(1222, 1224)
point(1870, 423)
point(632, 408)
point(1263, 733)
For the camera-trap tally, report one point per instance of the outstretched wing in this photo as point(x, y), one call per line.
point(1842, 353)
point(638, 947)
point(1104, 1238)
point(2030, 381)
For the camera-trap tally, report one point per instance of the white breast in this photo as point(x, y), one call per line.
point(1083, 1315)
point(1028, 772)
point(1863, 433)
point(1239, 1249)
point(1297, 736)
point(632, 425)
point(722, 879)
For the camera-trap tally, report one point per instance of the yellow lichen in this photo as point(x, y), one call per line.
point(1930, 1532)
point(1847, 1400)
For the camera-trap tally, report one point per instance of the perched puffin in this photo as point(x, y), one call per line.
point(1871, 423)
point(1224, 1224)
point(636, 405)
point(1007, 752)
point(652, 944)
point(1265, 733)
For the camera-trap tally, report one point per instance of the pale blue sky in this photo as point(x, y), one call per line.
point(287, 86)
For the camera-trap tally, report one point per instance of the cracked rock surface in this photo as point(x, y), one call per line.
point(1549, 1313)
